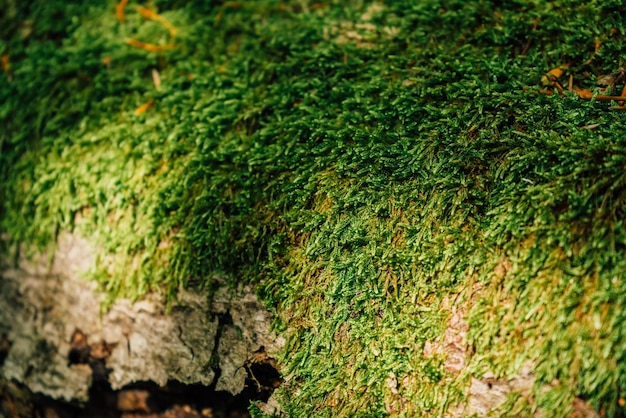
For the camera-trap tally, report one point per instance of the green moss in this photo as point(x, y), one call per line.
point(364, 163)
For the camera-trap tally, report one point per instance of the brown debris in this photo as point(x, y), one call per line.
point(4, 62)
point(81, 352)
point(551, 80)
point(133, 400)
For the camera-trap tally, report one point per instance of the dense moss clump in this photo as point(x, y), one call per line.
point(371, 165)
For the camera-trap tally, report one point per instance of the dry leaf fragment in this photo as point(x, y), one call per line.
point(156, 78)
point(148, 47)
point(142, 109)
point(119, 10)
point(554, 73)
point(611, 80)
point(584, 93)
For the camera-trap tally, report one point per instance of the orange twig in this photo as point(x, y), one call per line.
point(609, 98)
point(148, 47)
point(119, 10)
point(149, 14)
point(529, 41)
point(588, 95)
point(142, 109)
point(570, 86)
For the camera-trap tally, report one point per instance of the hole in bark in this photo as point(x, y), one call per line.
point(79, 349)
point(263, 376)
point(5, 346)
point(95, 355)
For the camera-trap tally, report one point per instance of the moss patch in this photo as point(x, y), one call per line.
point(361, 161)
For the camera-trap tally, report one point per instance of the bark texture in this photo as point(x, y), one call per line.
point(56, 341)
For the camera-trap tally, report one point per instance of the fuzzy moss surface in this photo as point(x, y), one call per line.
point(365, 163)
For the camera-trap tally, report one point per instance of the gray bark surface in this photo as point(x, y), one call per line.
point(42, 305)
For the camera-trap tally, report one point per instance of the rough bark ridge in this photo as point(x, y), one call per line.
point(56, 341)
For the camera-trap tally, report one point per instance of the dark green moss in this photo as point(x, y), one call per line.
point(365, 164)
